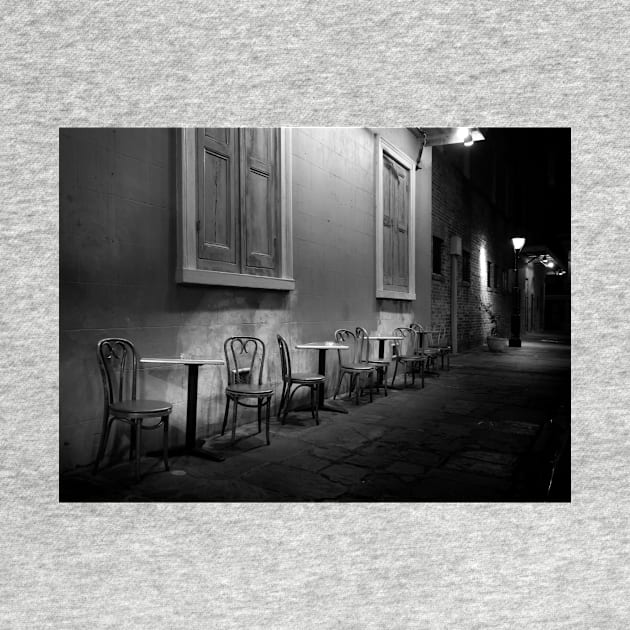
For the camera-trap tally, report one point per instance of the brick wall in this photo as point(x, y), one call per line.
point(461, 209)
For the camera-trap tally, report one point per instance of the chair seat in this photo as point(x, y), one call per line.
point(379, 362)
point(412, 357)
point(305, 377)
point(358, 367)
point(141, 408)
point(245, 389)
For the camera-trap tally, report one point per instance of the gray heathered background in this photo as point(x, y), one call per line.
point(299, 565)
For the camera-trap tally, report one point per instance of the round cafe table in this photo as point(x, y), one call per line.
point(381, 342)
point(191, 404)
point(323, 346)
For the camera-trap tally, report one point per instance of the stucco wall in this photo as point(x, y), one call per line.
point(118, 258)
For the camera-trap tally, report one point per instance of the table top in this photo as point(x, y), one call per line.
point(183, 361)
point(384, 337)
point(321, 345)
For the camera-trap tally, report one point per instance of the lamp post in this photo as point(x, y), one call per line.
point(515, 339)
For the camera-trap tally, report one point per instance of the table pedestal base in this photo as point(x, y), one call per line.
point(195, 451)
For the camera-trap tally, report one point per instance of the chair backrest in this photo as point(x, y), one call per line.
point(441, 336)
point(118, 362)
point(364, 344)
point(406, 346)
point(244, 359)
point(285, 358)
point(418, 328)
point(347, 338)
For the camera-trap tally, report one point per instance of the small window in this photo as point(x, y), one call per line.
point(437, 254)
point(465, 266)
point(489, 274)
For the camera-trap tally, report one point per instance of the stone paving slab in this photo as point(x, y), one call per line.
point(299, 484)
point(345, 474)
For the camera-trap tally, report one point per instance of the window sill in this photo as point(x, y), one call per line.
point(382, 294)
point(219, 278)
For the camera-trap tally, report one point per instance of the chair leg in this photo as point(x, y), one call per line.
point(225, 415)
point(259, 414)
point(138, 428)
point(107, 423)
point(165, 437)
point(313, 401)
point(395, 371)
point(286, 403)
point(267, 422)
point(384, 380)
point(316, 401)
point(234, 421)
point(422, 373)
point(133, 442)
point(282, 401)
point(341, 375)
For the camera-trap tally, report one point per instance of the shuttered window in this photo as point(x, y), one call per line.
point(395, 223)
point(234, 191)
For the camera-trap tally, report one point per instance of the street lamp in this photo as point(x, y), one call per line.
point(515, 339)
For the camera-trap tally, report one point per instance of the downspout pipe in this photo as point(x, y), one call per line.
point(456, 250)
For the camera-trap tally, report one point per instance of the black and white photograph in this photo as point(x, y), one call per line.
point(344, 314)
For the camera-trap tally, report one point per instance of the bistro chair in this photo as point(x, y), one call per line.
point(381, 365)
point(437, 341)
point(428, 350)
point(118, 363)
point(406, 352)
point(301, 379)
point(350, 363)
point(245, 360)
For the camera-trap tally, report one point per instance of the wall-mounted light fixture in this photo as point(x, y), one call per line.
point(515, 340)
point(424, 143)
point(439, 136)
point(468, 140)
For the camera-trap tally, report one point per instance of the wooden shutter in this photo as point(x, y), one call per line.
point(260, 202)
point(396, 182)
point(218, 200)
point(389, 181)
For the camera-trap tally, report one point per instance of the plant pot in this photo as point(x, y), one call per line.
point(497, 344)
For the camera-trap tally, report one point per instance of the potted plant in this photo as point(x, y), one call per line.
point(495, 340)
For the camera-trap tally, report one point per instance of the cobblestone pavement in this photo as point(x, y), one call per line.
point(489, 429)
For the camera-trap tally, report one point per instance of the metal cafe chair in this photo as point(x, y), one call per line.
point(301, 379)
point(439, 342)
point(118, 363)
point(381, 365)
point(245, 360)
point(431, 352)
point(350, 363)
point(405, 351)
